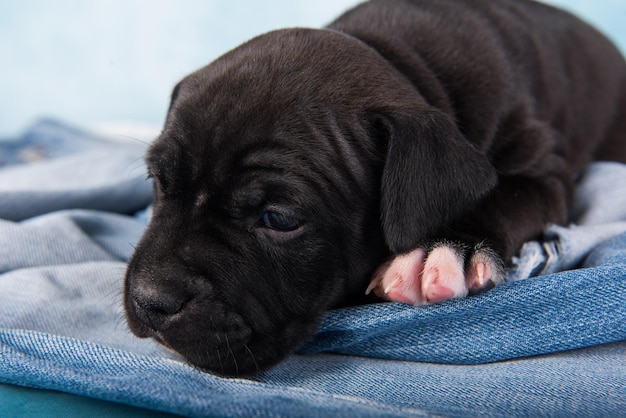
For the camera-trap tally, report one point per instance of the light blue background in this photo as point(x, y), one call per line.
point(93, 63)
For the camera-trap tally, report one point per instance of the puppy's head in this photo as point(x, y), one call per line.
point(267, 206)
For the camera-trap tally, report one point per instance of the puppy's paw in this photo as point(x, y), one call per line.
point(447, 271)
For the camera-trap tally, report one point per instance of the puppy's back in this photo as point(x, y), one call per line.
point(490, 61)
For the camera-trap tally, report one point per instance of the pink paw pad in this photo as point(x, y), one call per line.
point(414, 279)
point(418, 278)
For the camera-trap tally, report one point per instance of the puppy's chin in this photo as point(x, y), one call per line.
point(230, 356)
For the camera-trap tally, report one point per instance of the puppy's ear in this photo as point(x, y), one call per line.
point(173, 97)
point(432, 174)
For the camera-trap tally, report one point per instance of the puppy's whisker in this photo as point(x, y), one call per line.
point(219, 358)
point(132, 138)
point(251, 354)
point(232, 354)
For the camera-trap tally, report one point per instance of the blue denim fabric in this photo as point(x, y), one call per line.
point(543, 346)
point(104, 176)
point(547, 314)
point(585, 383)
point(47, 139)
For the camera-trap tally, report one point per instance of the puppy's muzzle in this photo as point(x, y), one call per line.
point(182, 312)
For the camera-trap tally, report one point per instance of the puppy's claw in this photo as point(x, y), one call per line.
point(396, 282)
point(484, 271)
point(480, 274)
point(373, 285)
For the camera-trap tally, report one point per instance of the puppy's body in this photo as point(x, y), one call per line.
point(289, 169)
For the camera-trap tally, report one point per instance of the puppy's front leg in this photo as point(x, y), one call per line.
point(516, 211)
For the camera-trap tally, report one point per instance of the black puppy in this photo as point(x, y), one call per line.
point(443, 133)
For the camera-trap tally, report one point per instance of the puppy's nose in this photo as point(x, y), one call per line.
point(157, 309)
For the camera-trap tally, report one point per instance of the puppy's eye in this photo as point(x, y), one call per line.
point(280, 222)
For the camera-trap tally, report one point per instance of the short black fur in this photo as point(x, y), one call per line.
point(403, 122)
